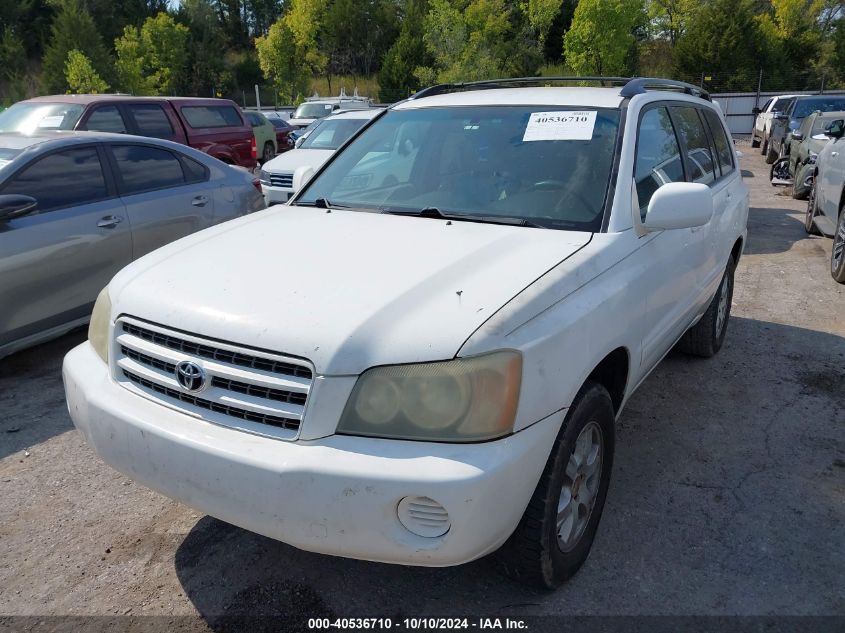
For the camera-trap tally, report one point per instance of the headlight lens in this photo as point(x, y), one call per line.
point(98, 328)
point(263, 177)
point(464, 400)
point(812, 157)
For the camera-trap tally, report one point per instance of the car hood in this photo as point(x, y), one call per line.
point(347, 290)
point(289, 161)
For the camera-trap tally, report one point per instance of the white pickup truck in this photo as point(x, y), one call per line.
point(426, 369)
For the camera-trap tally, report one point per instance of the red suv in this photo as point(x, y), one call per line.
point(215, 126)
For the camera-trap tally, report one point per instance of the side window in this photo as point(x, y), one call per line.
point(63, 179)
point(106, 119)
point(194, 171)
point(700, 161)
point(143, 168)
point(658, 159)
point(724, 148)
point(212, 116)
point(765, 107)
point(151, 120)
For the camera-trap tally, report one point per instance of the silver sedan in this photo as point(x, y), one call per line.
point(76, 207)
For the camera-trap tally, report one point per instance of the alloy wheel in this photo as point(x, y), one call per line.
point(838, 244)
point(722, 310)
point(580, 486)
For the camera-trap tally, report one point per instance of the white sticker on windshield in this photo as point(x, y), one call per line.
point(560, 126)
point(52, 121)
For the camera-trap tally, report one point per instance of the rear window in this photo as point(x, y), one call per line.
point(151, 120)
point(805, 107)
point(724, 149)
point(212, 116)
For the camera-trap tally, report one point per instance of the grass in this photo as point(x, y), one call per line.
point(367, 86)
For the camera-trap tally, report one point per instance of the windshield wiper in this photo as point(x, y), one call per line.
point(434, 212)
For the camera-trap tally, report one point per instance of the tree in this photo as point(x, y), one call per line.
point(72, 29)
point(281, 61)
point(81, 76)
point(726, 39)
point(152, 60)
point(305, 22)
point(602, 36)
point(396, 78)
point(204, 67)
point(12, 55)
point(668, 19)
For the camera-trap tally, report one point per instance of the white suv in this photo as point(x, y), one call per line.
point(424, 365)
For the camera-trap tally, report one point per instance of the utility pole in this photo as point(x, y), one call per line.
point(257, 99)
point(759, 88)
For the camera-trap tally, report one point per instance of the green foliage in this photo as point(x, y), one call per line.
point(602, 36)
point(668, 19)
point(478, 39)
point(81, 76)
point(73, 28)
point(281, 61)
point(726, 38)
point(204, 67)
point(396, 78)
point(12, 55)
point(152, 60)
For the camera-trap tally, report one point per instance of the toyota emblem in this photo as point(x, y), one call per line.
point(190, 376)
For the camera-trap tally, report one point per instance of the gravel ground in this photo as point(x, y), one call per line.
point(728, 496)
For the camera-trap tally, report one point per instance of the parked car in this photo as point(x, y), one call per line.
point(283, 132)
point(281, 177)
point(788, 121)
point(425, 370)
point(265, 135)
point(796, 169)
point(77, 207)
point(281, 113)
point(215, 126)
point(825, 208)
point(315, 108)
point(763, 120)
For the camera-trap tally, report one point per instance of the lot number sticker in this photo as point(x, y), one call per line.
point(560, 126)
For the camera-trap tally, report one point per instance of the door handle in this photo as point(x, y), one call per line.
point(199, 201)
point(834, 153)
point(109, 222)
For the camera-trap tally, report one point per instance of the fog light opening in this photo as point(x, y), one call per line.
point(423, 516)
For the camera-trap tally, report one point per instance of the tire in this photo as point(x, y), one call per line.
point(799, 191)
point(705, 338)
point(269, 152)
point(771, 155)
point(837, 253)
point(755, 142)
point(780, 169)
point(534, 554)
point(809, 225)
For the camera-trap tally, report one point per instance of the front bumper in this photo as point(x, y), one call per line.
point(276, 195)
point(337, 495)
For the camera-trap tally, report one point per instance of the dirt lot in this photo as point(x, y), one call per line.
point(728, 495)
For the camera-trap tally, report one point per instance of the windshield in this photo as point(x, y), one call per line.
point(312, 111)
point(27, 118)
point(806, 107)
point(548, 165)
point(332, 134)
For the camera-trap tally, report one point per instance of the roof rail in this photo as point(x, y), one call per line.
point(488, 84)
point(631, 86)
point(641, 85)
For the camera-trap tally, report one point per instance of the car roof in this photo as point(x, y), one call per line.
point(534, 96)
point(91, 98)
point(839, 114)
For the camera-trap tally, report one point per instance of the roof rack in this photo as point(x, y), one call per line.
point(630, 85)
point(641, 85)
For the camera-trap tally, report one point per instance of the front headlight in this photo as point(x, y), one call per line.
point(812, 157)
point(263, 177)
point(463, 400)
point(98, 328)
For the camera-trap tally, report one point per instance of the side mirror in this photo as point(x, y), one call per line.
point(301, 176)
point(836, 129)
point(679, 205)
point(755, 111)
point(781, 116)
point(797, 136)
point(15, 205)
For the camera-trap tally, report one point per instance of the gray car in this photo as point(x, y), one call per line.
point(76, 207)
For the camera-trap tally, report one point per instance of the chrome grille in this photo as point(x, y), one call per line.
point(281, 180)
point(252, 390)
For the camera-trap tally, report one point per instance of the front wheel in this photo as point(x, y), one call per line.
point(800, 182)
point(554, 536)
point(771, 155)
point(755, 142)
point(705, 338)
point(780, 169)
point(837, 254)
point(810, 215)
point(269, 152)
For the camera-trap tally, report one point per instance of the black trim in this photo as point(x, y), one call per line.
point(57, 320)
point(610, 194)
point(641, 85)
